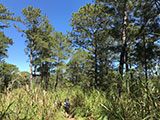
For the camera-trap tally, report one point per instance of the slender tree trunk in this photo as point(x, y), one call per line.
point(131, 74)
point(145, 59)
point(46, 74)
point(47, 80)
point(76, 75)
point(41, 73)
point(131, 79)
point(35, 73)
point(123, 51)
point(106, 65)
point(57, 78)
point(127, 67)
point(146, 68)
point(101, 71)
point(31, 64)
point(96, 66)
point(35, 70)
point(156, 72)
point(76, 78)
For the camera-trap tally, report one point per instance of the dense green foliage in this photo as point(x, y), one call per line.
point(5, 15)
point(108, 65)
point(86, 104)
point(8, 73)
point(4, 44)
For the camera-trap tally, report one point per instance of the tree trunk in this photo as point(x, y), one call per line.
point(57, 78)
point(41, 73)
point(101, 71)
point(127, 67)
point(130, 84)
point(76, 74)
point(123, 51)
point(47, 80)
point(96, 66)
point(146, 68)
point(46, 74)
point(31, 64)
point(145, 59)
point(35, 70)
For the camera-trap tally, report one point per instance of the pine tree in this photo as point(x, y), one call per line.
point(4, 44)
point(90, 26)
point(5, 16)
point(37, 34)
point(62, 50)
point(79, 67)
point(148, 23)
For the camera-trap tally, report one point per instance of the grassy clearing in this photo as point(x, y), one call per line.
point(38, 104)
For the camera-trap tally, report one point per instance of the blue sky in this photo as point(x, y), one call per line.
point(58, 12)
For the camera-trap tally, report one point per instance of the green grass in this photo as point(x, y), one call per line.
point(38, 104)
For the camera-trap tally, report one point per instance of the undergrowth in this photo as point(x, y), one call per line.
point(38, 104)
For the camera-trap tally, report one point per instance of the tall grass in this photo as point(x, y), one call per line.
point(38, 104)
